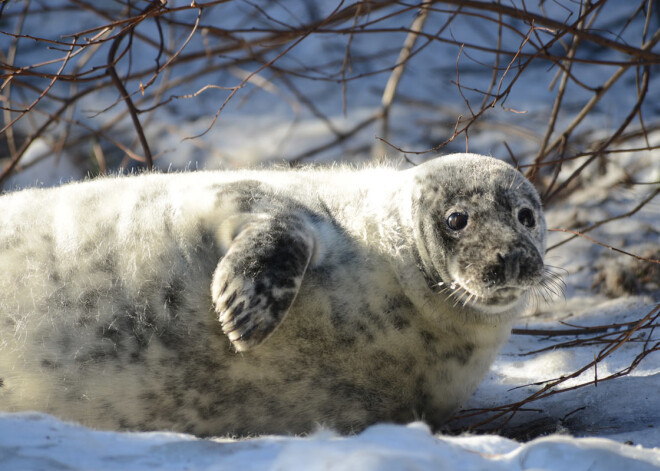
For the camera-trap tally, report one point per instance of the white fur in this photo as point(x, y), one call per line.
point(61, 355)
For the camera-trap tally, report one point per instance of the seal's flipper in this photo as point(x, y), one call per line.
point(258, 279)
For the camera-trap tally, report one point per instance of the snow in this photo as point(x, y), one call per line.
point(612, 426)
point(31, 441)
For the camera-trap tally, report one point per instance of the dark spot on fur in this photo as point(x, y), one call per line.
point(174, 294)
point(60, 297)
point(54, 276)
point(88, 248)
point(88, 300)
point(170, 338)
point(84, 320)
point(502, 199)
point(12, 241)
point(245, 194)
point(149, 397)
point(206, 241)
point(428, 338)
point(2, 382)
point(399, 322)
point(254, 302)
point(123, 423)
point(462, 354)
point(109, 333)
point(100, 354)
point(108, 263)
point(65, 342)
point(346, 340)
point(49, 364)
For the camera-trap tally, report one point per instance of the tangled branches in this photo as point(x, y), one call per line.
point(612, 336)
point(137, 59)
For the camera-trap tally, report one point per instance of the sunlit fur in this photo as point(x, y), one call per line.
point(124, 301)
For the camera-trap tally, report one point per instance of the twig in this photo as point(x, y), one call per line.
point(264, 66)
point(337, 140)
point(613, 137)
point(532, 174)
point(586, 109)
point(639, 206)
point(397, 72)
point(122, 90)
point(579, 234)
point(347, 58)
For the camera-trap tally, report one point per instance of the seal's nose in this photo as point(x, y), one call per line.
point(505, 269)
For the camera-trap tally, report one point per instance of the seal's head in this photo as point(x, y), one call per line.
point(480, 231)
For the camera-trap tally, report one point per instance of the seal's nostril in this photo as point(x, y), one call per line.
point(495, 274)
point(507, 267)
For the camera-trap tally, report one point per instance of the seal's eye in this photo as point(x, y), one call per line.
point(457, 221)
point(526, 217)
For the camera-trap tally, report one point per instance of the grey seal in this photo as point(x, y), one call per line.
point(265, 301)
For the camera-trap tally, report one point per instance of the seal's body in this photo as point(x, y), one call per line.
point(264, 301)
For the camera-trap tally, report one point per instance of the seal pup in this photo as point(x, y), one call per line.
point(260, 302)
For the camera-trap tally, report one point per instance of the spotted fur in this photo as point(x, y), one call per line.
point(259, 302)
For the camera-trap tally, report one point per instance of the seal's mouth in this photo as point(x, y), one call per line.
point(496, 298)
point(504, 295)
point(496, 295)
point(471, 293)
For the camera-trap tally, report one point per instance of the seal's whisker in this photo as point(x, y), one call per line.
point(453, 294)
point(549, 286)
point(458, 293)
point(549, 273)
point(540, 291)
point(464, 296)
point(552, 281)
point(473, 296)
point(445, 290)
point(554, 267)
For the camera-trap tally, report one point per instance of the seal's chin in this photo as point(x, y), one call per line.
point(497, 300)
point(506, 295)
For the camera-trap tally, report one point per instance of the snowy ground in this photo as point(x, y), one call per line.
point(612, 426)
point(35, 442)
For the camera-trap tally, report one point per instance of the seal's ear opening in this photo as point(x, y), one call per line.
point(526, 217)
point(258, 278)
